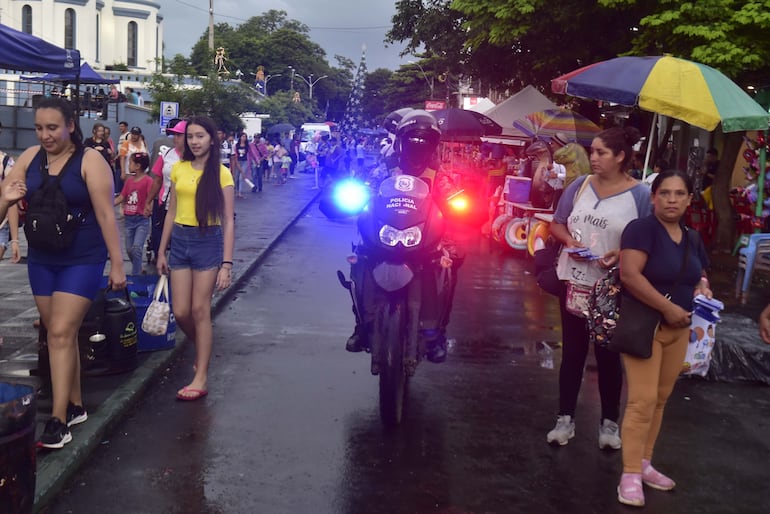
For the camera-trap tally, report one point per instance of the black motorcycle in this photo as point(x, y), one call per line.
point(402, 261)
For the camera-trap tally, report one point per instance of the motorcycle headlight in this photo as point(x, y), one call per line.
point(391, 236)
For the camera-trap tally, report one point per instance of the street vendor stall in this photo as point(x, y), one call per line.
point(459, 150)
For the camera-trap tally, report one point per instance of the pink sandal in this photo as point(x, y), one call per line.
point(630, 490)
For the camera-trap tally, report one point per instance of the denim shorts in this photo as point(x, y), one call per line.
point(196, 249)
point(80, 279)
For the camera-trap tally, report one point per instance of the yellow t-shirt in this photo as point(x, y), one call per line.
point(185, 179)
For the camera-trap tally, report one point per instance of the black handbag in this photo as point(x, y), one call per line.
point(638, 322)
point(546, 259)
point(636, 327)
point(545, 268)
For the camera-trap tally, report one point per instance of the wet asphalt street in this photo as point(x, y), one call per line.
point(291, 423)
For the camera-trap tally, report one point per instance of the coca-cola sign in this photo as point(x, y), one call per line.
point(435, 105)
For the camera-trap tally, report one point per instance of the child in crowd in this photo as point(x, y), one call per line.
point(285, 166)
point(134, 196)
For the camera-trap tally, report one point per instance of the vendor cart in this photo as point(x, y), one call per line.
point(527, 230)
point(518, 224)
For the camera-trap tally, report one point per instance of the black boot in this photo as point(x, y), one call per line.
point(436, 351)
point(357, 342)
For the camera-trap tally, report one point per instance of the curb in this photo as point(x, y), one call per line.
point(58, 467)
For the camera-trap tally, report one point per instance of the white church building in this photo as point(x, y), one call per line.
point(106, 32)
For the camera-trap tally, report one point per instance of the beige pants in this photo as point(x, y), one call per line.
point(650, 382)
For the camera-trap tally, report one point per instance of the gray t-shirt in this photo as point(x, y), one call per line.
point(598, 224)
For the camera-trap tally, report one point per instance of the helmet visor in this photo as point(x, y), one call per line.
point(416, 151)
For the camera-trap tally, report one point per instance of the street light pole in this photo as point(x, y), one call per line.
point(310, 82)
point(211, 25)
point(425, 76)
point(267, 79)
point(291, 88)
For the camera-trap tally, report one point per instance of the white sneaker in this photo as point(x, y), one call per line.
point(609, 435)
point(562, 432)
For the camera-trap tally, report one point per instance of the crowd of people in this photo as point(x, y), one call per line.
point(176, 198)
point(276, 158)
point(93, 99)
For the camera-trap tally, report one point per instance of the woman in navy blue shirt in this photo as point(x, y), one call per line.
point(652, 251)
point(65, 282)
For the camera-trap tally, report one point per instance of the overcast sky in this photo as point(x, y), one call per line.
point(338, 26)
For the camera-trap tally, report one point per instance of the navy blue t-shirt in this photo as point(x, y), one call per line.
point(664, 258)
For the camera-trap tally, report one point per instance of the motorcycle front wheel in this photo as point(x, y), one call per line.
point(391, 325)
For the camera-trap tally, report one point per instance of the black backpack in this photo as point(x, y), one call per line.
point(49, 224)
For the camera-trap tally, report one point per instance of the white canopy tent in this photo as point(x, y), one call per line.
point(474, 103)
point(517, 106)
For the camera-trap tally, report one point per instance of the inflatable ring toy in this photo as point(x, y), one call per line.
point(498, 226)
point(538, 235)
point(516, 234)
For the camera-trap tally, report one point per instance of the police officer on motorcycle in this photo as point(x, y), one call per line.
point(416, 142)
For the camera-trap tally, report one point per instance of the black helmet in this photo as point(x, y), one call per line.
point(391, 121)
point(417, 137)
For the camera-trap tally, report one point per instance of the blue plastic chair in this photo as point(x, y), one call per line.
point(756, 255)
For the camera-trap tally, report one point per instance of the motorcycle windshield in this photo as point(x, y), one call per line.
point(402, 201)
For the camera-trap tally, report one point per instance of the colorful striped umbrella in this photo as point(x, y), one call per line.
point(569, 125)
point(685, 90)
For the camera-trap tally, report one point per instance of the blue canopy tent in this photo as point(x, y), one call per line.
point(87, 76)
point(25, 52)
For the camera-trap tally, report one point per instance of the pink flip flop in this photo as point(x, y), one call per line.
point(195, 394)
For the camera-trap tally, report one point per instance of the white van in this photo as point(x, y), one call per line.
point(308, 130)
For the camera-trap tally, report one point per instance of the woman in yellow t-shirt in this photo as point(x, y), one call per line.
point(198, 234)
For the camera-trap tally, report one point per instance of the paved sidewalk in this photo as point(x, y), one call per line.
point(261, 220)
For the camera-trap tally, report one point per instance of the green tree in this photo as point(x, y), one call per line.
point(202, 58)
point(374, 101)
point(164, 89)
point(434, 30)
point(224, 103)
point(537, 40)
point(279, 45)
point(512, 43)
point(179, 66)
point(282, 109)
point(728, 35)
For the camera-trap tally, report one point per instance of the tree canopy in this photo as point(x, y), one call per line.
point(289, 59)
point(511, 43)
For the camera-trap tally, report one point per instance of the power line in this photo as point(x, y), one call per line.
point(341, 29)
point(206, 11)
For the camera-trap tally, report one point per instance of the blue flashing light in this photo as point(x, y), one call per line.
point(351, 196)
